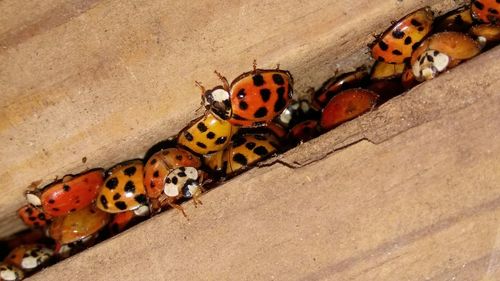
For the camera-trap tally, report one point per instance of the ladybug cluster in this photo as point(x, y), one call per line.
point(245, 121)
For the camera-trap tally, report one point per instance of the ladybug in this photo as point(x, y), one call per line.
point(347, 105)
point(486, 33)
point(207, 134)
point(457, 46)
point(33, 217)
point(384, 71)
point(334, 85)
point(71, 193)
point(429, 64)
point(182, 182)
point(78, 225)
point(253, 98)
point(122, 221)
point(297, 112)
point(398, 42)
point(161, 163)
point(486, 11)
point(123, 189)
point(457, 20)
point(10, 273)
point(246, 151)
point(30, 257)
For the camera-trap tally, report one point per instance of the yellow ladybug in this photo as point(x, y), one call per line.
point(207, 134)
point(123, 189)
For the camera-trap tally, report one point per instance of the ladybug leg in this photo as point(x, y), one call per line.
point(171, 203)
point(225, 83)
point(199, 85)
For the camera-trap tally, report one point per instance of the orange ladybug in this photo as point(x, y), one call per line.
point(78, 225)
point(161, 163)
point(30, 257)
point(486, 11)
point(71, 193)
point(123, 189)
point(253, 98)
point(33, 217)
point(398, 42)
point(346, 106)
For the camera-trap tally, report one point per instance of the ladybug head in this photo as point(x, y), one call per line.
point(218, 101)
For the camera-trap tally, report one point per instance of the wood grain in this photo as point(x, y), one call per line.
point(107, 79)
point(420, 204)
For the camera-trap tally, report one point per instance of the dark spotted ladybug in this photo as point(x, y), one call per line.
point(253, 98)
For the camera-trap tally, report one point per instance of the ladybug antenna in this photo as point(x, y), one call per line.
point(254, 65)
point(199, 85)
point(223, 79)
point(277, 66)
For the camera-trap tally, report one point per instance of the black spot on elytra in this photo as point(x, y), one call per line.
point(243, 105)
point(104, 201)
point(112, 183)
point(129, 187)
point(239, 141)
point(201, 126)
point(141, 199)
point(397, 52)
point(121, 205)
point(66, 187)
point(398, 34)
point(200, 144)
point(261, 112)
point(408, 40)
point(41, 216)
point(261, 151)
point(210, 135)
point(278, 79)
point(250, 145)
point(130, 171)
point(188, 136)
point(55, 209)
point(258, 80)
point(493, 11)
point(380, 59)
point(240, 159)
point(52, 201)
point(221, 140)
point(430, 58)
point(178, 157)
point(32, 218)
point(156, 174)
point(420, 28)
point(153, 161)
point(415, 22)
point(478, 5)
point(72, 210)
point(30, 211)
point(265, 94)
point(241, 94)
point(152, 184)
point(383, 46)
point(281, 102)
point(175, 180)
point(116, 196)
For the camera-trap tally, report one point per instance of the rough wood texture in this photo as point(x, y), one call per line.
point(420, 203)
point(107, 79)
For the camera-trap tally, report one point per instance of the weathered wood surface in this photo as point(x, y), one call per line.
point(107, 79)
point(421, 203)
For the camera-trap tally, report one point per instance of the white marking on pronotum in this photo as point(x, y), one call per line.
point(33, 199)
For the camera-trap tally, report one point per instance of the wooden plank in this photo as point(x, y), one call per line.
point(422, 204)
point(107, 79)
